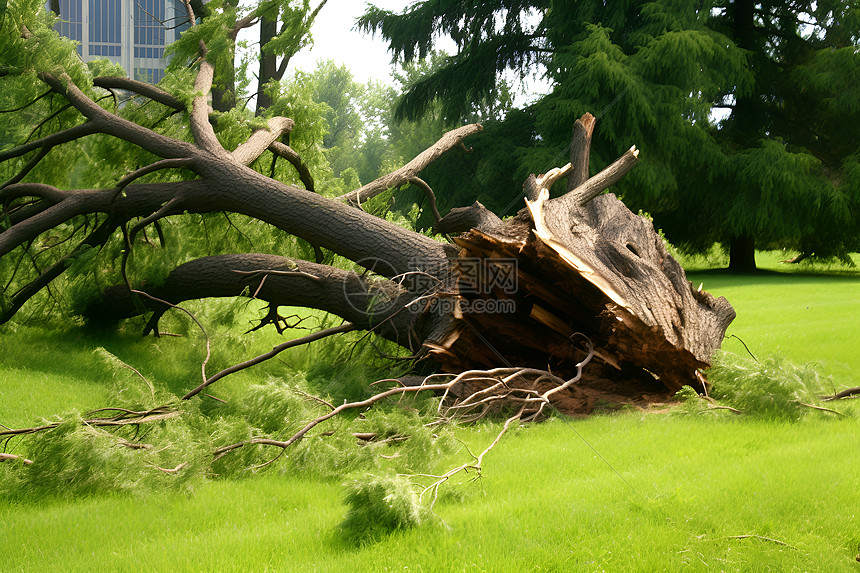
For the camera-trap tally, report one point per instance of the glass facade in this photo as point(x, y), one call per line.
point(132, 33)
point(71, 24)
point(149, 40)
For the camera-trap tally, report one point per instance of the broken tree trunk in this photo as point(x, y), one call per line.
point(579, 263)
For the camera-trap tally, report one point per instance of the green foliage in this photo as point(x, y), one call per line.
point(659, 75)
point(381, 505)
point(773, 388)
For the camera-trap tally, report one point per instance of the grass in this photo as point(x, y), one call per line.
point(548, 503)
point(808, 317)
point(623, 492)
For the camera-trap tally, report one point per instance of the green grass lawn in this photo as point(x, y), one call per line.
point(628, 491)
point(807, 317)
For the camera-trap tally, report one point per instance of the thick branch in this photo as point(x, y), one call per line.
point(141, 88)
point(201, 129)
point(78, 204)
point(110, 124)
point(293, 157)
point(40, 190)
point(462, 219)
point(603, 180)
point(580, 151)
point(262, 139)
point(403, 175)
point(281, 281)
point(228, 186)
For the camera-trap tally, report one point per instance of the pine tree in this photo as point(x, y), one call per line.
point(781, 168)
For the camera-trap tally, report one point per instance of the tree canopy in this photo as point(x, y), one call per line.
point(746, 112)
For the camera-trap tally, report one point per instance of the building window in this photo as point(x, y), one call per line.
point(149, 75)
point(71, 24)
point(149, 23)
point(180, 21)
point(105, 22)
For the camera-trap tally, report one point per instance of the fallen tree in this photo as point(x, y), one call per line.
point(538, 294)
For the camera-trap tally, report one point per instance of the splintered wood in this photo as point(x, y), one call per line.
point(583, 264)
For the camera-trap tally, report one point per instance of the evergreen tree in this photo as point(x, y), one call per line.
point(780, 169)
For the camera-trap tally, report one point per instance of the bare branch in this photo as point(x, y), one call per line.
point(51, 141)
point(413, 168)
point(848, 393)
point(262, 139)
point(431, 197)
point(141, 88)
point(503, 378)
point(124, 418)
point(476, 466)
point(290, 155)
point(346, 327)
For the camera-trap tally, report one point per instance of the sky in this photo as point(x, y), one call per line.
point(367, 57)
point(335, 39)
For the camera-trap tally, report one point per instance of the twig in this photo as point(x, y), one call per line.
point(814, 407)
point(194, 318)
point(12, 457)
point(847, 393)
point(476, 466)
point(124, 418)
point(763, 538)
point(171, 471)
point(346, 327)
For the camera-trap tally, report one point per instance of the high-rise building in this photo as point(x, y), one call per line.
point(132, 33)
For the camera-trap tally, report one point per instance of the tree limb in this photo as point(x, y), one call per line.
point(111, 124)
point(346, 327)
point(596, 185)
point(53, 140)
point(462, 219)
point(262, 139)
point(431, 197)
point(413, 168)
point(97, 237)
point(288, 153)
point(142, 88)
point(201, 129)
point(580, 150)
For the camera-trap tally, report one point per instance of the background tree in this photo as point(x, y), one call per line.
point(777, 171)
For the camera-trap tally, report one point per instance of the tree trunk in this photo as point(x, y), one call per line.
point(268, 62)
point(742, 254)
point(565, 279)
